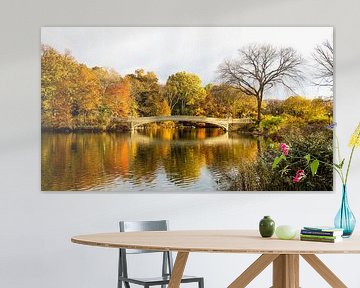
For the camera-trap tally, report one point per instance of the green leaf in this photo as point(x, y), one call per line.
point(285, 170)
point(314, 166)
point(340, 166)
point(308, 157)
point(342, 163)
point(276, 162)
point(283, 157)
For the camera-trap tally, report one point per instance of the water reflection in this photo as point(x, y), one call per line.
point(146, 160)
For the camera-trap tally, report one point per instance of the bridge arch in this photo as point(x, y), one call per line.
point(219, 122)
point(222, 123)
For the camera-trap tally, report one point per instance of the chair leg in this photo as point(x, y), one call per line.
point(201, 283)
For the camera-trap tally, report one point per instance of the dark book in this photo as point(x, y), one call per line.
point(321, 233)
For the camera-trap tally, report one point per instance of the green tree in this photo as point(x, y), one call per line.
point(183, 92)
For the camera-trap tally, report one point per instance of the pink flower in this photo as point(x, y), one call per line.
point(284, 149)
point(300, 174)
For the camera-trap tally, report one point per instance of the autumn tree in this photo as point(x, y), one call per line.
point(259, 68)
point(183, 90)
point(245, 106)
point(324, 64)
point(117, 99)
point(58, 87)
point(317, 110)
point(74, 96)
point(321, 111)
point(163, 108)
point(87, 99)
point(145, 90)
point(274, 107)
point(209, 102)
point(297, 106)
point(106, 78)
point(225, 97)
point(159, 107)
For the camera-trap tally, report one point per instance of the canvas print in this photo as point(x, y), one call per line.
point(186, 109)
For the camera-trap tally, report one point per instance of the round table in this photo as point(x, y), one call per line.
point(284, 254)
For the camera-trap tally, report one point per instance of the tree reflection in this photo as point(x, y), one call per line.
point(183, 164)
point(85, 161)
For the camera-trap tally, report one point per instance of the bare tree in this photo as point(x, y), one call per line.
point(324, 64)
point(261, 67)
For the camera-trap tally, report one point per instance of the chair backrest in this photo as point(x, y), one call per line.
point(137, 226)
point(133, 226)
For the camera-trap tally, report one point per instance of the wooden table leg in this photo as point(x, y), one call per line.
point(178, 269)
point(253, 270)
point(324, 271)
point(286, 271)
point(293, 262)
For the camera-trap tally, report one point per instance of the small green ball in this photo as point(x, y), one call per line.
point(285, 232)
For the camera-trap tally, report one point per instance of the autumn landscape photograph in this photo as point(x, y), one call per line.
point(186, 109)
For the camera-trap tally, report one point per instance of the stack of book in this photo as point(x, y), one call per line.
point(321, 234)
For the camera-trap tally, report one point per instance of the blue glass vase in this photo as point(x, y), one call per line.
point(345, 219)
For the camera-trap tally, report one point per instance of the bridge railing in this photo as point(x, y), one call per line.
point(185, 118)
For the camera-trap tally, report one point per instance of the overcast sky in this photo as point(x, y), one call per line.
point(167, 50)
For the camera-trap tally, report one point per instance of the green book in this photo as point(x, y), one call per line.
point(325, 240)
point(319, 236)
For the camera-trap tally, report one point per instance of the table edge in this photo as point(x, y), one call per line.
point(205, 250)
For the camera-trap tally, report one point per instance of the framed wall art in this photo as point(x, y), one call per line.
point(186, 109)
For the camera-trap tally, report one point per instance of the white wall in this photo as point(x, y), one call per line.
point(35, 227)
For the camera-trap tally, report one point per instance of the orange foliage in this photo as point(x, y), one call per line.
point(117, 98)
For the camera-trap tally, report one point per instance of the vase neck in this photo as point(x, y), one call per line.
point(344, 193)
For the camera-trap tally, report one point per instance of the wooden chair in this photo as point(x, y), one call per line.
point(167, 263)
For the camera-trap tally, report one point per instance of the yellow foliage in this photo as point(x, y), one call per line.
point(355, 138)
point(297, 106)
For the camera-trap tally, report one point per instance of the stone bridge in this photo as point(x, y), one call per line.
point(220, 122)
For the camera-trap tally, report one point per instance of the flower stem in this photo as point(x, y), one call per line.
point(350, 159)
point(338, 149)
point(340, 171)
point(348, 166)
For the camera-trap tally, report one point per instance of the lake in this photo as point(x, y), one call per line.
point(164, 160)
